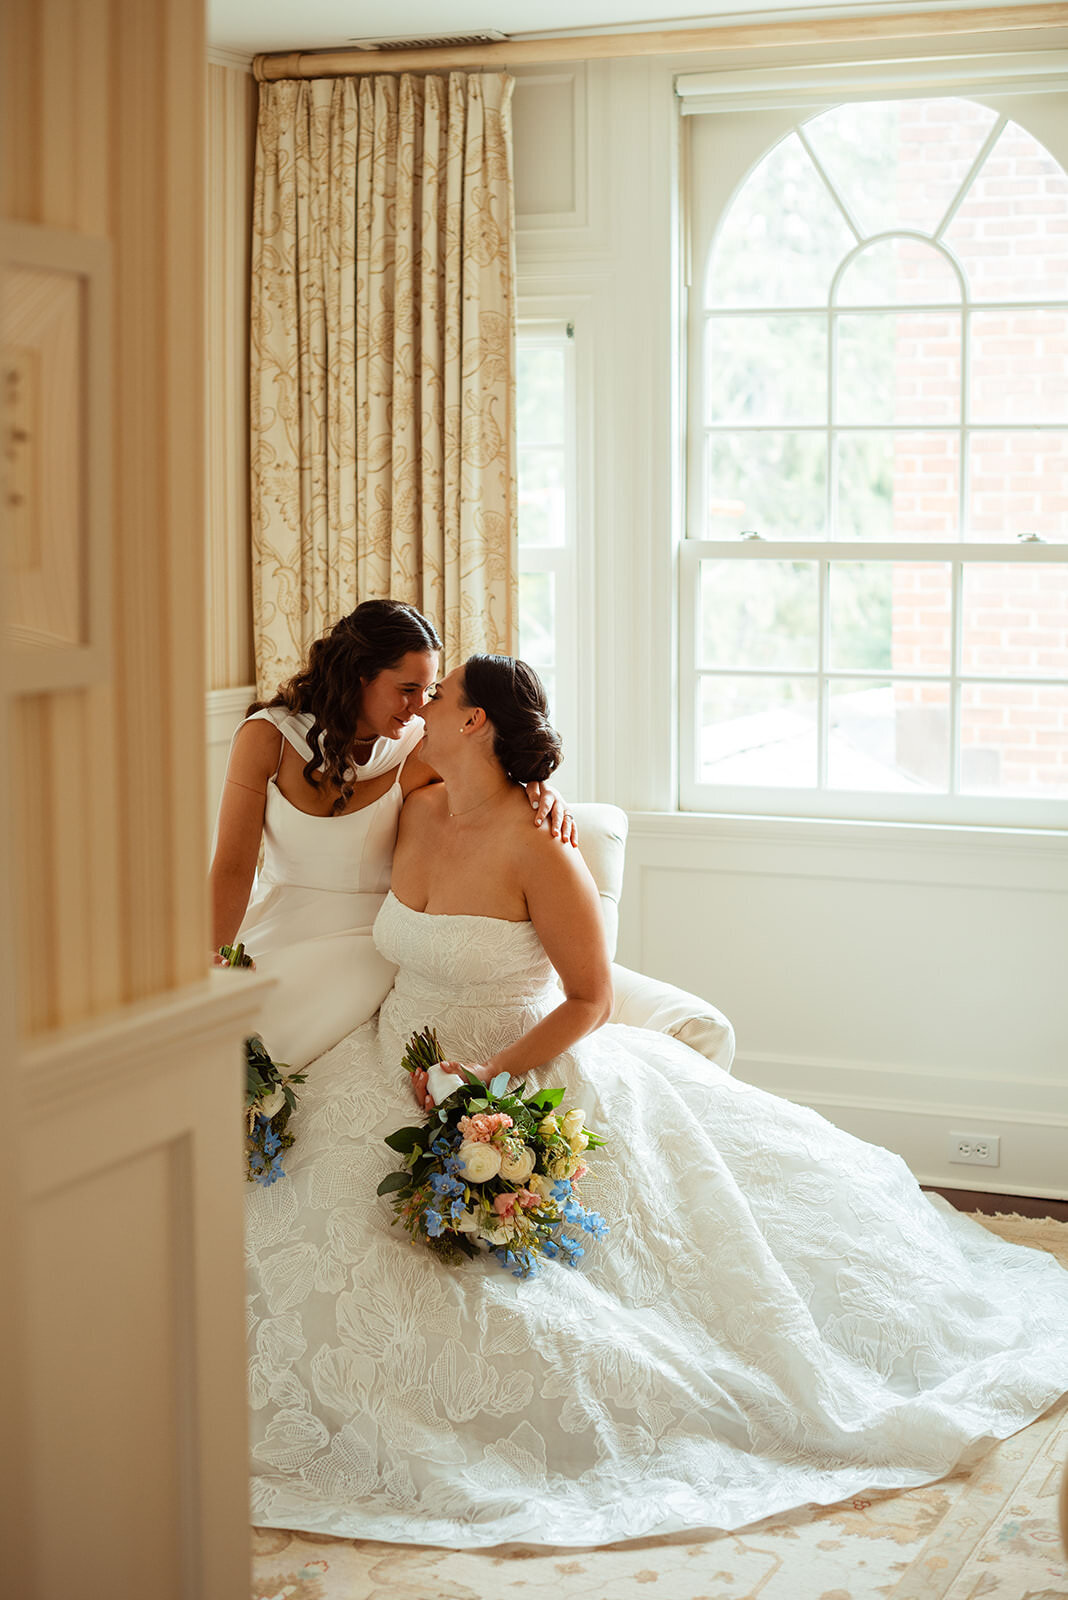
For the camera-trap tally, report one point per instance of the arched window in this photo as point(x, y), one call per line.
point(875, 578)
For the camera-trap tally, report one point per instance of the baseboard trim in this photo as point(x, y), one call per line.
point(913, 1113)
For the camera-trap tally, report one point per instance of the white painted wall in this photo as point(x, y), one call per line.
point(904, 980)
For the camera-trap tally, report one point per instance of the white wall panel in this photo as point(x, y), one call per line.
point(899, 979)
point(560, 154)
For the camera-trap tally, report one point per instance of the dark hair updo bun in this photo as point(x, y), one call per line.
point(510, 693)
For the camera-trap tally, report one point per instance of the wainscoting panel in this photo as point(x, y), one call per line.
point(134, 1164)
point(559, 125)
point(906, 982)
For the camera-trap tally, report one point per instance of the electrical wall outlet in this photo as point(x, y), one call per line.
point(975, 1149)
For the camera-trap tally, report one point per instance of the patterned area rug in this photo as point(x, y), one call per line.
point(988, 1533)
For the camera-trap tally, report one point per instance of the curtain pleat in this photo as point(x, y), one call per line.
point(382, 383)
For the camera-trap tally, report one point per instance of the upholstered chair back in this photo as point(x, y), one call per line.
point(602, 836)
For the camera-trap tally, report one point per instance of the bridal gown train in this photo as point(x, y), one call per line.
point(778, 1316)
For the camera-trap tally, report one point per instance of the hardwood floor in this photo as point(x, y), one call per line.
point(1023, 1205)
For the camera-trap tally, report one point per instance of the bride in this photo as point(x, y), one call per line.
point(779, 1316)
point(326, 818)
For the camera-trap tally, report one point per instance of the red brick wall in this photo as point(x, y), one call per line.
point(1011, 234)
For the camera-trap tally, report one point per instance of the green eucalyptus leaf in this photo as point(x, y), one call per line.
point(406, 1139)
point(546, 1100)
point(395, 1181)
point(500, 1083)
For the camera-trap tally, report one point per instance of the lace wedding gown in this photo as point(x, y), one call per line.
point(778, 1315)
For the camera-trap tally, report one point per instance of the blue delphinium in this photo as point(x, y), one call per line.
point(524, 1263)
point(265, 1164)
point(572, 1250)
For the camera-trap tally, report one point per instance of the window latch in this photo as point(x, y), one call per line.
point(750, 533)
point(1030, 538)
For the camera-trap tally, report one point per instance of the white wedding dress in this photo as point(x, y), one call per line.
point(778, 1315)
point(319, 888)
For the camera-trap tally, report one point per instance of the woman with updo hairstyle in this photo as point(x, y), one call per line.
point(316, 779)
point(463, 849)
point(525, 743)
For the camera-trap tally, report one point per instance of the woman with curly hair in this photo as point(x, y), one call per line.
point(317, 775)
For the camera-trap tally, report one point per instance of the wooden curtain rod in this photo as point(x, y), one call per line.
point(682, 41)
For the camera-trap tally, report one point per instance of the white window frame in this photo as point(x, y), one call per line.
point(808, 90)
point(535, 332)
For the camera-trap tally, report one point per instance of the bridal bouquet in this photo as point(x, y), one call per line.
point(269, 1101)
point(490, 1168)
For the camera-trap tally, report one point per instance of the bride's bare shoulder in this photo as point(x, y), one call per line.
point(541, 851)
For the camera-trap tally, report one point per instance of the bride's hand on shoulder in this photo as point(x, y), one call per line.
point(549, 804)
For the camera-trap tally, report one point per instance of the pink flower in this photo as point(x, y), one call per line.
point(504, 1204)
point(527, 1198)
point(579, 1172)
point(481, 1127)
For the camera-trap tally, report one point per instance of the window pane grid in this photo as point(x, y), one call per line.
point(943, 441)
point(941, 689)
point(546, 553)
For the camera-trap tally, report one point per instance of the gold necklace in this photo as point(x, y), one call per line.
point(484, 802)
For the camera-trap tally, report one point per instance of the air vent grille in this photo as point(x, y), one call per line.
point(447, 41)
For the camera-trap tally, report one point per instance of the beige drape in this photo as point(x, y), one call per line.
point(382, 383)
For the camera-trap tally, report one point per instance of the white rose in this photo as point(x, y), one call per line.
point(517, 1169)
point(548, 1126)
point(541, 1185)
point(271, 1104)
point(478, 1161)
point(497, 1236)
point(572, 1122)
point(578, 1143)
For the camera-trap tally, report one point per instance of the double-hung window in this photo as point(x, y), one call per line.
point(545, 406)
point(874, 578)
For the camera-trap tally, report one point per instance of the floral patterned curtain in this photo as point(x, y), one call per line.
point(383, 382)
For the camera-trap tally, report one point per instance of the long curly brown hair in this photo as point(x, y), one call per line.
point(377, 635)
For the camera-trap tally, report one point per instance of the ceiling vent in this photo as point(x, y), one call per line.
point(445, 41)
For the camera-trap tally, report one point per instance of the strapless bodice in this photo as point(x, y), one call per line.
point(480, 981)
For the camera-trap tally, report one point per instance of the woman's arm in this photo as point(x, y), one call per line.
point(566, 913)
point(253, 760)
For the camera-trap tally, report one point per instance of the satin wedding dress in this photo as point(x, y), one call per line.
point(320, 886)
point(778, 1316)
